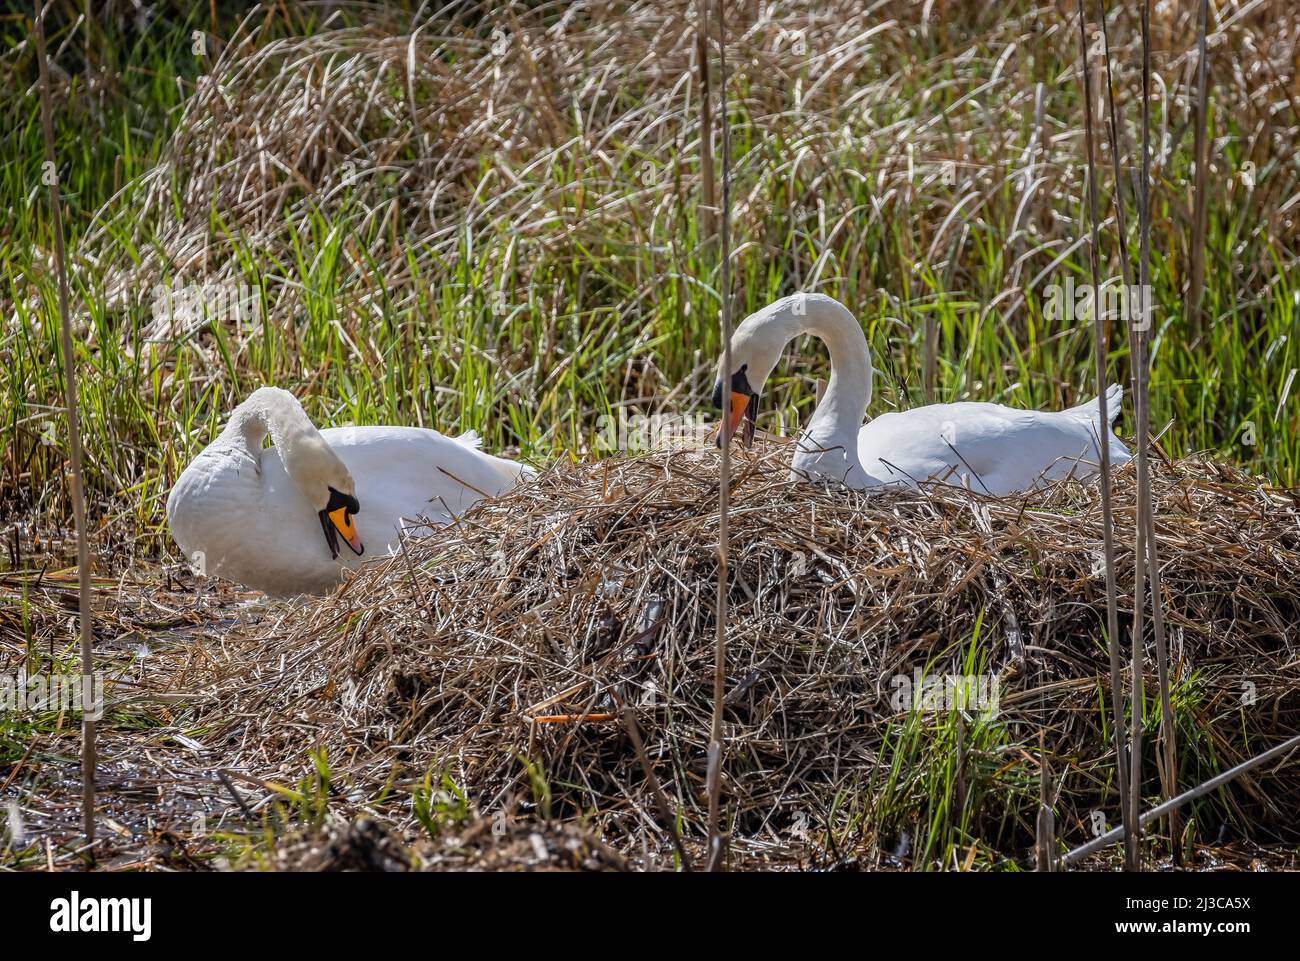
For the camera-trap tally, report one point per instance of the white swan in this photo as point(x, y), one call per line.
point(272, 518)
point(986, 447)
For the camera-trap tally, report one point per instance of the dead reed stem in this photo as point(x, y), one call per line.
point(1168, 770)
point(1110, 837)
point(716, 843)
point(1108, 516)
point(1146, 559)
point(74, 433)
point(709, 204)
point(1196, 289)
point(1045, 827)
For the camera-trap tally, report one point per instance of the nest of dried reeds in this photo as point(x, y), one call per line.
point(500, 656)
point(479, 845)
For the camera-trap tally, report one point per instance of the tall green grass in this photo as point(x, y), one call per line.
point(528, 331)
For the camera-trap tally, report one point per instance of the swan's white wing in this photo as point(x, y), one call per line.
point(404, 474)
point(986, 447)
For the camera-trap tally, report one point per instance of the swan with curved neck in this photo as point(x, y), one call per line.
point(257, 515)
point(311, 463)
point(987, 447)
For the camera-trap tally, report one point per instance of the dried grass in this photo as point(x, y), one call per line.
point(592, 588)
point(364, 845)
point(574, 132)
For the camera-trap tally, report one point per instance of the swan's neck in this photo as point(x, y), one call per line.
point(843, 407)
point(307, 459)
point(828, 446)
point(269, 410)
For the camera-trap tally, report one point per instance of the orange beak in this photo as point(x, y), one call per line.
point(744, 407)
point(343, 523)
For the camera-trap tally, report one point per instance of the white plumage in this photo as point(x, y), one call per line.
point(988, 448)
point(251, 514)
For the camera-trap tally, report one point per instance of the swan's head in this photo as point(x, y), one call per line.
point(328, 485)
point(756, 346)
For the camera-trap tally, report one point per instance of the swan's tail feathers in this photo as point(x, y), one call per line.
point(510, 473)
point(1091, 410)
point(1114, 401)
point(1119, 452)
point(470, 439)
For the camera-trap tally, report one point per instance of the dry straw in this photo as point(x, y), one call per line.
point(593, 587)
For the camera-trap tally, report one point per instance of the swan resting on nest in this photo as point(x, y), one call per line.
point(273, 518)
point(988, 448)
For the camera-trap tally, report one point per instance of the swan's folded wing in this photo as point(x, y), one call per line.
point(407, 473)
point(986, 447)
